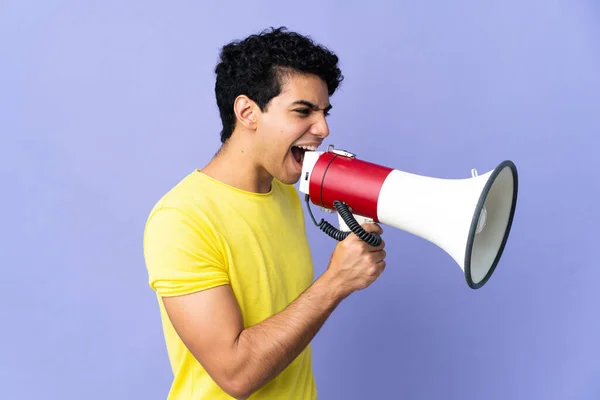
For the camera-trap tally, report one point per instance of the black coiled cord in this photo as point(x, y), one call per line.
point(371, 238)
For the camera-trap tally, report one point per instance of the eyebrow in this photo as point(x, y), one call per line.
point(311, 105)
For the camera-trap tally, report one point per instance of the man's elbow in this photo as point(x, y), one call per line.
point(234, 374)
point(237, 387)
point(236, 380)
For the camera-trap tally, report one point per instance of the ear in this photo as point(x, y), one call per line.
point(246, 111)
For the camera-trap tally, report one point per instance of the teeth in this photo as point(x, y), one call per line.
point(311, 148)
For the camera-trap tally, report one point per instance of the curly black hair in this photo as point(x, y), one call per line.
point(254, 67)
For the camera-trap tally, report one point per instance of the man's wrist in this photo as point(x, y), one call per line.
point(332, 288)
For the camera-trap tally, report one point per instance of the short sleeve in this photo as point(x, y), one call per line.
point(182, 254)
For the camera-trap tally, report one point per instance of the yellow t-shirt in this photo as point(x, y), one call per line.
point(204, 233)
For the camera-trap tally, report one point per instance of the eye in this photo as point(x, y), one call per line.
point(303, 111)
point(306, 112)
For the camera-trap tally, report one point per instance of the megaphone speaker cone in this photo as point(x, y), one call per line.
point(487, 239)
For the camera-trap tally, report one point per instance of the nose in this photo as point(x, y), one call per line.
point(320, 127)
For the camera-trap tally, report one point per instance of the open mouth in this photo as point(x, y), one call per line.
point(298, 152)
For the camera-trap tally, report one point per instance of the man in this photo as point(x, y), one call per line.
point(226, 248)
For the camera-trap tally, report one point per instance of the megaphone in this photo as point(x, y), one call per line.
point(469, 218)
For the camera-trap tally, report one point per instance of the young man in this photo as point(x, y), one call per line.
point(226, 248)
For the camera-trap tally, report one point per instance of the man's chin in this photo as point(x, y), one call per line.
point(289, 178)
point(288, 173)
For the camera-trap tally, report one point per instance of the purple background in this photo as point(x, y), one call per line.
point(104, 105)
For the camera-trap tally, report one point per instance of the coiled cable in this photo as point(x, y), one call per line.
point(371, 238)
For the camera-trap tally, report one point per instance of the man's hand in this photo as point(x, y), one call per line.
point(240, 360)
point(355, 264)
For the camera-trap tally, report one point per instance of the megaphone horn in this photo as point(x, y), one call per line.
point(469, 218)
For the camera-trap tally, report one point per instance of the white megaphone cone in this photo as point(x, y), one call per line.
point(470, 218)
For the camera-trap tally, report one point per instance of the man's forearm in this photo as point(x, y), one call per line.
point(264, 350)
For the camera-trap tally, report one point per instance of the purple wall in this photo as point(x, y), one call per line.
point(105, 105)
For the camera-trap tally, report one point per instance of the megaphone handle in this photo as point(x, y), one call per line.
point(360, 219)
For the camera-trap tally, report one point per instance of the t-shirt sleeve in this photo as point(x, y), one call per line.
point(182, 255)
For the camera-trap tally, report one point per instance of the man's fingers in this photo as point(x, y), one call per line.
point(372, 227)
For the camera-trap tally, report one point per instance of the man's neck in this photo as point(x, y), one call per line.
point(234, 166)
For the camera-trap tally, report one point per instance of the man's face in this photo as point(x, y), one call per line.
point(294, 118)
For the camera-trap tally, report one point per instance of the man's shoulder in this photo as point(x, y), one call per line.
point(199, 196)
point(185, 197)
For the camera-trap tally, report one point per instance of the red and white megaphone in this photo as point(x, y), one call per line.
point(469, 218)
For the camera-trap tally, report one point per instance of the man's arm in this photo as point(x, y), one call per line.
point(242, 360)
